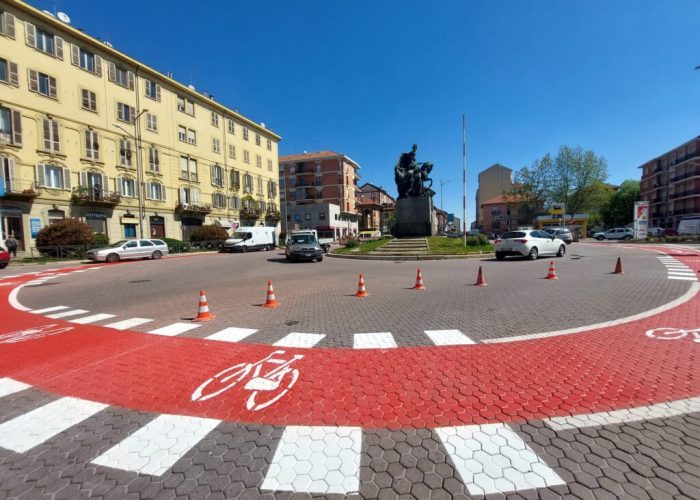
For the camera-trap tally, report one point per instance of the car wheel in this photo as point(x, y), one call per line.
point(600, 238)
point(287, 257)
point(320, 259)
point(562, 251)
point(244, 248)
point(500, 256)
point(157, 255)
point(113, 257)
point(628, 237)
point(533, 253)
point(3, 265)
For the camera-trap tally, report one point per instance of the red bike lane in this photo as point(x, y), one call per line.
point(600, 370)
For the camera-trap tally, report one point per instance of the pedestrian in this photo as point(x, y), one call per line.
point(12, 245)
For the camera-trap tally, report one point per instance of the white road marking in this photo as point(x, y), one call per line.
point(297, 339)
point(492, 458)
point(686, 278)
point(231, 334)
point(14, 302)
point(128, 323)
point(79, 271)
point(174, 329)
point(49, 309)
point(10, 386)
point(31, 429)
point(448, 337)
point(154, 448)
point(316, 460)
point(628, 415)
point(688, 272)
point(380, 340)
point(65, 314)
point(92, 319)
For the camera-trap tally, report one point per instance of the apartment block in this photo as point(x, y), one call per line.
point(493, 181)
point(91, 133)
point(671, 185)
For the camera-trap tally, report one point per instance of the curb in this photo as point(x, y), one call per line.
point(410, 257)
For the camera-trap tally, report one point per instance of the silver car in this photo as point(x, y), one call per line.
point(528, 243)
point(130, 249)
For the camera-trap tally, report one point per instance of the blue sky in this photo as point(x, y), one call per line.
point(370, 78)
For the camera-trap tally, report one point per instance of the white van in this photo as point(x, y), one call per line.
point(251, 238)
point(689, 225)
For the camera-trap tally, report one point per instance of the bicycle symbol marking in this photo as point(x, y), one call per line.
point(666, 333)
point(265, 389)
point(33, 333)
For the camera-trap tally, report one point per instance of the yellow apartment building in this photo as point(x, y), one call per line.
point(90, 133)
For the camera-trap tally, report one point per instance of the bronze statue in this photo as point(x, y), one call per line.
point(411, 177)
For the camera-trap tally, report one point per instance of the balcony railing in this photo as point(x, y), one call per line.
point(691, 173)
point(193, 208)
point(82, 195)
point(273, 215)
point(684, 158)
point(684, 211)
point(16, 189)
point(250, 213)
point(682, 194)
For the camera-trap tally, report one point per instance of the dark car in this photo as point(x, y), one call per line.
point(669, 231)
point(562, 233)
point(4, 258)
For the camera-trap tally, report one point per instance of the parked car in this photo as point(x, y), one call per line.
point(618, 233)
point(562, 233)
point(303, 245)
point(655, 231)
point(669, 231)
point(4, 258)
point(130, 249)
point(251, 238)
point(689, 225)
point(530, 243)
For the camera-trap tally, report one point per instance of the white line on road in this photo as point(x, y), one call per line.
point(231, 334)
point(686, 278)
point(174, 329)
point(128, 323)
point(154, 448)
point(297, 339)
point(380, 340)
point(73, 312)
point(92, 319)
point(49, 309)
point(31, 429)
point(10, 386)
point(448, 337)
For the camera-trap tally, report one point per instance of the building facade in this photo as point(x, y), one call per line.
point(494, 181)
point(374, 206)
point(322, 177)
point(671, 185)
point(326, 218)
point(501, 214)
point(88, 132)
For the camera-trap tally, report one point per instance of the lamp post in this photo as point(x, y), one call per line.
point(139, 176)
point(442, 183)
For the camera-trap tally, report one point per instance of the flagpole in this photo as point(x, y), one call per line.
point(464, 178)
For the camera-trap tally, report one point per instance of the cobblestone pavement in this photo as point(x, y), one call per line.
point(91, 412)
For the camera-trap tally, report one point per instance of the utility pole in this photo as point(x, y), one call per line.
point(139, 175)
point(464, 177)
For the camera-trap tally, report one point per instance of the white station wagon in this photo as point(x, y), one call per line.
point(130, 249)
point(530, 243)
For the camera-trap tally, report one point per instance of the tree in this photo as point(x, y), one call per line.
point(620, 209)
point(531, 189)
point(576, 172)
point(65, 232)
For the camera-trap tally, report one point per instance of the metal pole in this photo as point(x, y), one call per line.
point(464, 177)
point(139, 175)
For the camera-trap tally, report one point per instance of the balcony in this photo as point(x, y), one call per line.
point(82, 195)
point(192, 208)
point(683, 194)
point(250, 213)
point(691, 173)
point(684, 158)
point(684, 211)
point(16, 189)
point(273, 215)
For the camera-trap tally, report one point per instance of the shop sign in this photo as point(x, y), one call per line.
point(95, 215)
point(35, 226)
point(10, 211)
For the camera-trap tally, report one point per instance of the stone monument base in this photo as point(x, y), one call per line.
point(415, 217)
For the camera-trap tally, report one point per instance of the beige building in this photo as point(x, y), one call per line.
point(494, 181)
point(88, 132)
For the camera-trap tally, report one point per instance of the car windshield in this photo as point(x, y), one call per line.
point(302, 239)
point(513, 234)
point(238, 236)
point(119, 243)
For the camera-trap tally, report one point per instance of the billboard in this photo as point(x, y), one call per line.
point(641, 219)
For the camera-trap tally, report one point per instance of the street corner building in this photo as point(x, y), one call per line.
point(88, 132)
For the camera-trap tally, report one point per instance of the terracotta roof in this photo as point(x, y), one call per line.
point(318, 155)
point(501, 199)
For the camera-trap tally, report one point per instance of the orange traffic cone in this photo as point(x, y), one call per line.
point(419, 282)
point(480, 281)
point(271, 300)
point(361, 292)
point(618, 267)
point(203, 314)
point(552, 274)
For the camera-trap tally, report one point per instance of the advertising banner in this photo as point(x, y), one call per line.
point(35, 226)
point(641, 219)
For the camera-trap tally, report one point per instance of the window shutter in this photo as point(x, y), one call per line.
point(8, 27)
point(157, 92)
point(83, 179)
point(148, 191)
point(98, 65)
point(162, 192)
point(66, 178)
point(13, 75)
point(30, 34)
point(118, 185)
point(183, 199)
point(58, 43)
point(74, 54)
point(112, 73)
point(33, 81)
point(39, 174)
point(56, 138)
point(16, 128)
point(47, 134)
point(52, 87)
point(130, 80)
point(195, 196)
point(211, 173)
point(105, 181)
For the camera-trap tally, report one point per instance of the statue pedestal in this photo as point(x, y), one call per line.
point(415, 217)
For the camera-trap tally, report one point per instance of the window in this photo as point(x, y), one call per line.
point(126, 186)
point(86, 60)
point(269, 144)
point(185, 105)
point(52, 176)
point(188, 168)
point(232, 151)
point(56, 216)
point(152, 90)
point(271, 189)
point(258, 161)
point(260, 186)
point(231, 127)
point(216, 145)
point(124, 153)
point(307, 216)
point(269, 165)
point(191, 136)
point(322, 216)
point(245, 133)
point(292, 182)
point(189, 195)
point(246, 156)
point(10, 126)
point(154, 160)
point(121, 76)
point(8, 72)
point(52, 138)
point(92, 145)
point(42, 84)
point(218, 200)
point(155, 191)
point(89, 100)
point(235, 202)
point(182, 133)
point(125, 112)
point(7, 24)
point(261, 206)
point(151, 122)
point(235, 180)
point(214, 119)
point(257, 139)
point(217, 175)
point(248, 183)
point(282, 182)
point(43, 40)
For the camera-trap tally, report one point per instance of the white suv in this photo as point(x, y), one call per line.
point(618, 233)
point(530, 243)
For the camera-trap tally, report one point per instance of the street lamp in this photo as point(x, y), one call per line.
point(442, 183)
point(139, 176)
